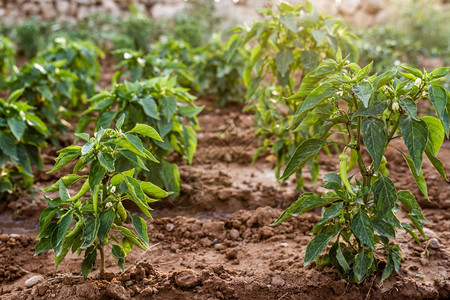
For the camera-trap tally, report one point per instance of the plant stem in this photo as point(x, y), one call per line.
point(102, 261)
point(394, 129)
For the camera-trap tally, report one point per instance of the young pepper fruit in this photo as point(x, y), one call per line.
point(343, 160)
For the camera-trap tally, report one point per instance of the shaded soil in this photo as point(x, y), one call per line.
point(214, 242)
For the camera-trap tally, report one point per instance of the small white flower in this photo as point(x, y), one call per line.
point(113, 189)
point(127, 55)
point(418, 82)
point(395, 106)
point(340, 93)
point(108, 205)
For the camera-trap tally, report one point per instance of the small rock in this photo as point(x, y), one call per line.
point(224, 194)
point(32, 281)
point(434, 243)
point(4, 237)
point(219, 247)
point(231, 254)
point(186, 278)
point(14, 235)
point(169, 227)
point(116, 291)
point(227, 157)
point(277, 281)
point(234, 234)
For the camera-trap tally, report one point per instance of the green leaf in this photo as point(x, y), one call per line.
point(290, 21)
point(440, 72)
point(393, 262)
point(304, 203)
point(415, 135)
point(438, 97)
point(8, 145)
point(141, 228)
point(137, 195)
point(362, 265)
point(132, 237)
point(107, 161)
point(106, 220)
point(83, 136)
point(91, 226)
point(302, 154)
point(410, 107)
point(436, 162)
point(309, 60)
point(328, 214)
point(118, 178)
point(117, 251)
point(283, 60)
point(151, 189)
point(63, 225)
point(190, 111)
point(418, 177)
point(374, 109)
point(65, 158)
point(150, 107)
point(410, 203)
point(105, 120)
point(90, 256)
point(318, 244)
point(190, 142)
point(317, 95)
point(341, 258)
point(435, 133)
point(383, 228)
point(63, 192)
point(17, 127)
point(96, 174)
point(15, 95)
point(375, 139)
point(363, 91)
point(133, 158)
point(146, 130)
point(362, 227)
point(120, 121)
point(384, 194)
point(318, 35)
point(44, 245)
point(171, 177)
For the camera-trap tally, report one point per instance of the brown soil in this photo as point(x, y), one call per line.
point(214, 242)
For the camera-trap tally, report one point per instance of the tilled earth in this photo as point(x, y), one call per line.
point(214, 241)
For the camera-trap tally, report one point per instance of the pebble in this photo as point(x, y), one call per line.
point(434, 243)
point(278, 281)
point(234, 234)
point(169, 227)
point(186, 278)
point(32, 281)
point(14, 235)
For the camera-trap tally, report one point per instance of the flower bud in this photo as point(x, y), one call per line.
point(108, 205)
point(395, 106)
point(113, 189)
point(418, 82)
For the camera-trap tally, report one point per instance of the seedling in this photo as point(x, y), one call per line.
point(94, 217)
point(362, 113)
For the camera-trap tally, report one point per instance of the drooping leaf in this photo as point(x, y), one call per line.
point(304, 203)
point(91, 226)
point(436, 133)
point(96, 174)
point(438, 97)
point(375, 139)
point(362, 227)
point(362, 265)
point(302, 154)
point(384, 194)
point(106, 220)
point(318, 244)
point(410, 107)
point(314, 98)
point(418, 177)
point(17, 127)
point(106, 160)
point(141, 228)
point(90, 256)
point(190, 142)
point(415, 135)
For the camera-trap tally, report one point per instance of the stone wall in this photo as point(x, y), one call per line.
point(362, 12)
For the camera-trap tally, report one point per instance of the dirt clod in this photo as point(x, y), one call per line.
point(186, 279)
point(87, 290)
point(117, 291)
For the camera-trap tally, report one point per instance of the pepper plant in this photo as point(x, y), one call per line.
point(80, 58)
point(162, 105)
point(94, 217)
point(22, 134)
point(7, 53)
point(49, 89)
point(364, 114)
point(215, 74)
point(287, 44)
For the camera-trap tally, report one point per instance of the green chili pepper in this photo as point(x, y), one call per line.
point(84, 188)
point(353, 159)
point(75, 229)
point(343, 160)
